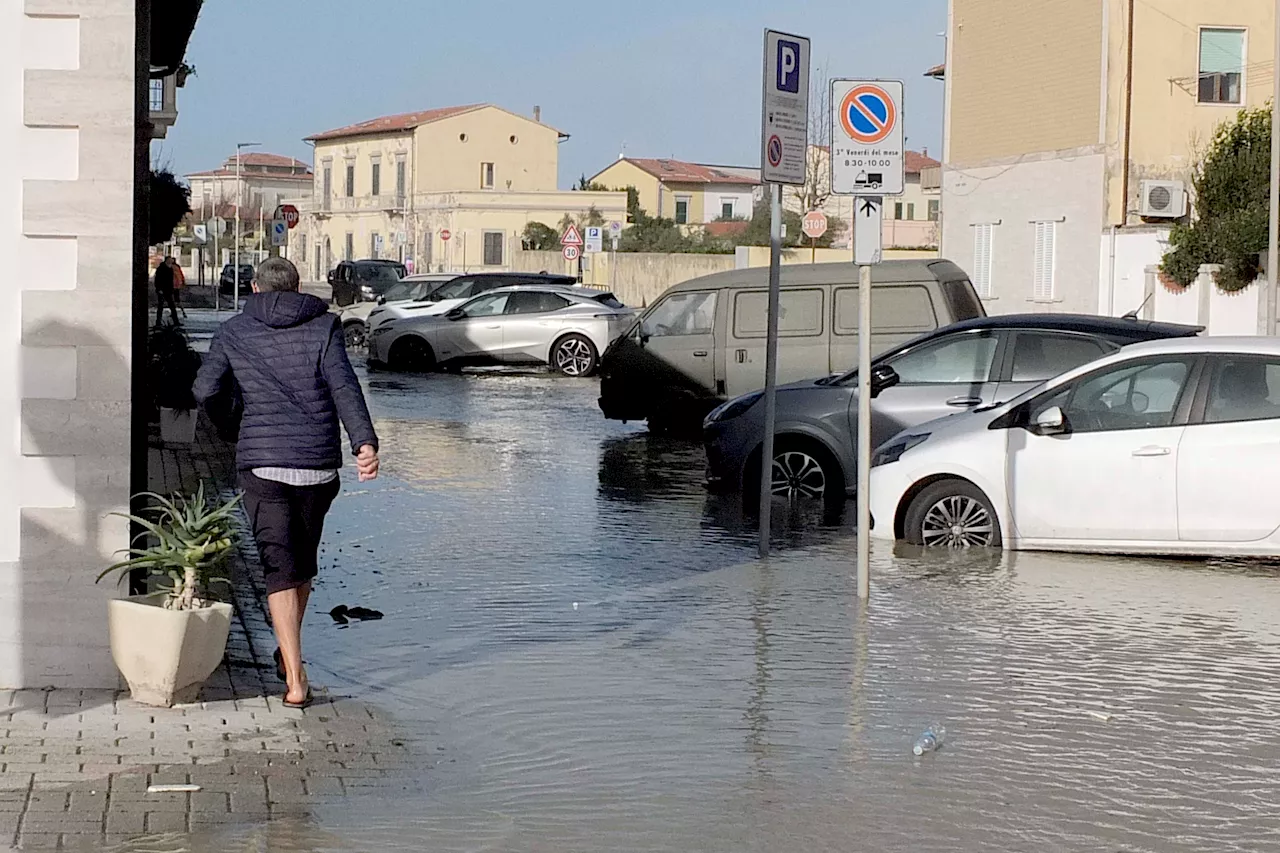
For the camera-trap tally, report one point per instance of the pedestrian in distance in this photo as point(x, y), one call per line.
point(179, 282)
point(164, 283)
point(286, 356)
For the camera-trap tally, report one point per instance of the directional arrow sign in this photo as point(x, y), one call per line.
point(868, 230)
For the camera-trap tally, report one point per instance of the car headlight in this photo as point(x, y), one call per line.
point(892, 452)
point(733, 409)
point(366, 290)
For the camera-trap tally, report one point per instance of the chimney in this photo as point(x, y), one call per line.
point(537, 114)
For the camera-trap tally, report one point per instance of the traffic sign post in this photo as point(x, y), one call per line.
point(814, 225)
point(571, 236)
point(867, 161)
point(784, 156)
point(279, 233)
point(446, 235)
point(594, 240)
point(867, 138)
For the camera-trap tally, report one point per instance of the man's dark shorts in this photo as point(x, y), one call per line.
point(288, 522)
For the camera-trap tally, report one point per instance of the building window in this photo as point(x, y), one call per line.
point(911, 211)
point(157, 96)
point(493, 245)
point(401, 181)
point(375, 245)
point(318, 270)
point(486, 176)
point(935, 208)
point(375, 179)
point(682, 211)
point(351, 180)
point(1221, 66)
point(1045, 260)
point(726, 209)
point(982, 237)
point(349, 250)
point(897, 210)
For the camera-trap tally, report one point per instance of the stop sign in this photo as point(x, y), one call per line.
point(290, 215)
point(815, 224)
point(445, 235)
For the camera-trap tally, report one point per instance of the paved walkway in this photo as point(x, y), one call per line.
point(75, 765)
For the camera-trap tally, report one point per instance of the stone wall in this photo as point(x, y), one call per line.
point(66, 223)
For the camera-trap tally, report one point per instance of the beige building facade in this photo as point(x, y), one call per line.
point(445, 189)
point(686, 193)
point(261, 182)
point(1058, 115)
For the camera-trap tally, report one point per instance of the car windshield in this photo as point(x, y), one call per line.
point(451, 290)
point(403, 291)
point(377, 273)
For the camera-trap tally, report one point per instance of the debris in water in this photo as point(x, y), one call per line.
point(173, 789)
point(1099, 715)
point(342, 614)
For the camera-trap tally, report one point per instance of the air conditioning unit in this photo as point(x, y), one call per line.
point(1163, 200)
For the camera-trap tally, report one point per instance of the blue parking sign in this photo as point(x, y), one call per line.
point(788, 66)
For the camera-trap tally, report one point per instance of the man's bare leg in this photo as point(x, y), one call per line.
point(286, 617)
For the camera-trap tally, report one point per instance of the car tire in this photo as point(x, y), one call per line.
point(412, 354)
point(575, 355)
point(803, 469)
point(952, 514)
point(355, 334)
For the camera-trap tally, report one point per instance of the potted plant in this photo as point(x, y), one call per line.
point(173, 368)
point(167, 643)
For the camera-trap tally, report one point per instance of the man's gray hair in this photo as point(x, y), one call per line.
point(275, 275)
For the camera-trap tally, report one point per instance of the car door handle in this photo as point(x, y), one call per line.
point(1152, 451)
point(964, 401)
point(700, 353)
point(742, 356)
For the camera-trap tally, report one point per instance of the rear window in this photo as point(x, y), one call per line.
point(608, 300)
point(962, 300)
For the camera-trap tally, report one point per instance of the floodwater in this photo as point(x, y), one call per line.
point(583, 640)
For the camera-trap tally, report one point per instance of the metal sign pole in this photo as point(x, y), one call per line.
point(864, 432)
point(1273, 237)
point(771, 369)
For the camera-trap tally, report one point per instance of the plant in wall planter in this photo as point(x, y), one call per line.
point(173, 366)
point(167, 643)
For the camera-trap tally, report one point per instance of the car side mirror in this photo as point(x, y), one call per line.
point(456, 314)
point(1050, 422)
point(883, 377)
point(382, 300)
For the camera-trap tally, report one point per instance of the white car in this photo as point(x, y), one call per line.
point(356, 317)
point(565, 327)
point(1170, 447)
point(443, 298)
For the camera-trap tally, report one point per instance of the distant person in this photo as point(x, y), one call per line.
point(285, 354)
point(164, 282)
point(179, 282)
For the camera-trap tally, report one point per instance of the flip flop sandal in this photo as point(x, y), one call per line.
point(280, 673)
point(305, 703)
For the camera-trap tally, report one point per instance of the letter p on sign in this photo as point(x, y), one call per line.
point(788, 66)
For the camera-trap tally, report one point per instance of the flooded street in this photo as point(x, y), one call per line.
point(584, 640)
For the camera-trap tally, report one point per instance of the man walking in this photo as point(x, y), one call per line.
point(164, 282)
point(286, 356)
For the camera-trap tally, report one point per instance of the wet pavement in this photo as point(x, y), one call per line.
point(583, 639)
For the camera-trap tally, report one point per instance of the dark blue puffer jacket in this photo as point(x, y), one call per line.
point(286, 353)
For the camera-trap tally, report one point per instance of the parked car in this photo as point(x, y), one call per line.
point(457, 290)
point(1170, 447)
point(565, 327)
point(963, 366)
point(355, 317)
point(367, 280)
point(227, 281)
point(703, 342)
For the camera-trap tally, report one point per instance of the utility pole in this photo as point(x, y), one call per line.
point(235, 306)
point(1273, 241)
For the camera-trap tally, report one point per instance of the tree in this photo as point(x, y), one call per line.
point(816, 189)
point(1232, 186)
point(170, 203)
point(585, 185)
point(539, 237)
point(757, 232)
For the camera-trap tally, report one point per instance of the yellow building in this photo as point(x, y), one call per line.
point(688, 193)
point(1072, 130)
point(443, 189)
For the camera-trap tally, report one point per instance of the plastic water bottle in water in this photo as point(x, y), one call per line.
point(930, 740)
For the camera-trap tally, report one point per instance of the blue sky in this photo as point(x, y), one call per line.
point(665, 78)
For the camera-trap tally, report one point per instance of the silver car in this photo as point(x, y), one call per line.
point(564, 327)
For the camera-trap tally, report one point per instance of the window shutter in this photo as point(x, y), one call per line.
point(982, 259)
point(1044, 260)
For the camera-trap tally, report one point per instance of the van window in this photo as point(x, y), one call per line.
point(962, 300)
point(799, 313)
point(893, 309)
point(682, 314)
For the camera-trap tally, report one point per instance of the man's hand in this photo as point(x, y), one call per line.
point(367, 463)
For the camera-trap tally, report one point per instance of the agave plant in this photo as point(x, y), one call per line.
point(191, 539)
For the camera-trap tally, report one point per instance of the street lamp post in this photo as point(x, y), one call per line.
point(235, 306)
point(1273, 235)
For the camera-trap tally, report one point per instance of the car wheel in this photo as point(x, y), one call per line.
point(412, 354)
point(574, 355)
point(952, 514)
point(356, 335)
point(806, 471)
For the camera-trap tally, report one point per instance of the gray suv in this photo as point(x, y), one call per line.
point(966, 365)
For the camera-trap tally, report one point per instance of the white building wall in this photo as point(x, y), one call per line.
point(743, 200)
point(66, 220)
point(1122, 282)
point(1066, 188)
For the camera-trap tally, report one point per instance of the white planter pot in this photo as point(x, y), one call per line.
point(177, 426)
point(166, 655)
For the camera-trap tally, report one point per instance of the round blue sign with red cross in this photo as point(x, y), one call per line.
point(775, 151)
point(867, 114)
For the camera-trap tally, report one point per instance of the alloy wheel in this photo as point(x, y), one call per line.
point(574, 357)
point(958, 521)
point(797, 474)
